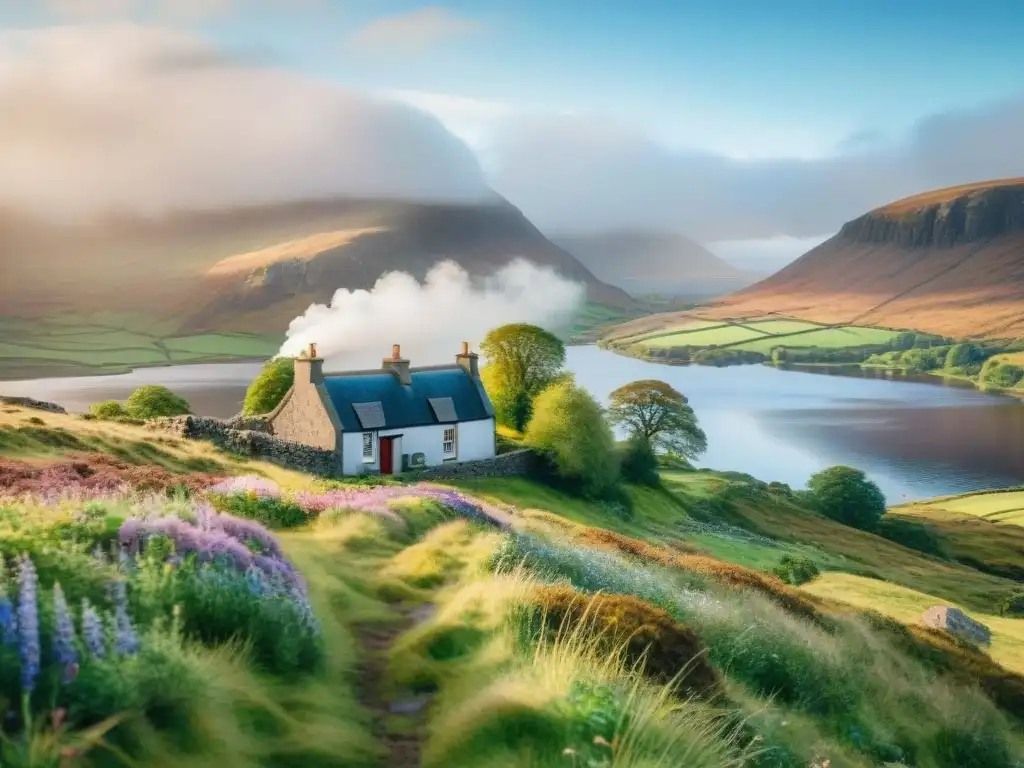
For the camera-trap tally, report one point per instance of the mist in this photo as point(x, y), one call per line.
point(431, 319)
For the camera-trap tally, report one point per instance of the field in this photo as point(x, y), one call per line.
point(754, 335)
point(484, 622)
point(72, 345)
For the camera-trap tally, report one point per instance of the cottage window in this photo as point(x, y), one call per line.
point(367, 446)
point(448, 442)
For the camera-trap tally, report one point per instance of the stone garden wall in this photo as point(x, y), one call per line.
point(251, 437)
point(512, 464)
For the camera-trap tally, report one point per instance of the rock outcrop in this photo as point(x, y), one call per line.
point(958, 624)
point(949, 262)
point(28, 402)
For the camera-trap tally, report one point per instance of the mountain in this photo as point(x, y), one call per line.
point(253, 269)
point(654, 262)
point(950, 262)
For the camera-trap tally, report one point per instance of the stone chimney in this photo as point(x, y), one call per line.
point(309, 369)
point(398, 365)
point(469, 360)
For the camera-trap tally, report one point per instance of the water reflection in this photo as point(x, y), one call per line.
point(916, 438)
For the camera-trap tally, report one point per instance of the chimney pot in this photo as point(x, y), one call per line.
point(465, 347)
point(312, 350)
point(396, 352)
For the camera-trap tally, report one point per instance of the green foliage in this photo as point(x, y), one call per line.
point(152, 401)
point(269, 387)
point(904, 340)
point(962, 356)
point(721, 358)
point(569, 429)
point(846, 495)
point(1013, 604)
point(1005, 375)
point(271, 511)
point(796, 570)
point(108, 410)
point(639, 463)
point(523, 360)
point(910, 533)
point(658, 413)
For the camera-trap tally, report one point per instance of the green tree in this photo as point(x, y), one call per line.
point(639, 464)
point(153, 401)
point(1004, 375)
point(961, 356)
point(522, 360)
point(108, 410)
point(661, 415)
point(569, 428)
point(846, 495)
point(269, 388)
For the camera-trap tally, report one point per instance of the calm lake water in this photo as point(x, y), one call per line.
point(915, 439)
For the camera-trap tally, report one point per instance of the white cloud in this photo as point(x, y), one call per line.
point(130, 117)
point(413, 31)
point(357, 328)
point(575, 174)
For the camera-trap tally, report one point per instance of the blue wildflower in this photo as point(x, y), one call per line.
point(126, 641)
point(28, 624)
point(8, 624)
point(64, 635)
point(92, 631)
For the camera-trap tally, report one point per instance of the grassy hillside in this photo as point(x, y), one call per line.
point(501, 624)
point(200, 286)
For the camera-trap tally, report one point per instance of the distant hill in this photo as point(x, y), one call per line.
point(950, 261)
point(644, 262)
point(251, 270)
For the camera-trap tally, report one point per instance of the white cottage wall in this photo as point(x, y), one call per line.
point(474, 440)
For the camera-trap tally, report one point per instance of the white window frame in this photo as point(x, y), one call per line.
point(368, 443)
point(453, 442)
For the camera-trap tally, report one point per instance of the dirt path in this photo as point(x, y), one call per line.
point(402, 744)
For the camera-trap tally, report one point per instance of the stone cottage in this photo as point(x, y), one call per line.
point(389, 419)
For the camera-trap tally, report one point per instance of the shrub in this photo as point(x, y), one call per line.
point(1004, 375)
point(638, 462)
point(1013, 604)
point(269, 387)
point(646, 634)
point(270, 511)
point(569, 429)
point(846, 495)
point(153, 401)
point(796, 570)
point(108, 410)
point(911, 534)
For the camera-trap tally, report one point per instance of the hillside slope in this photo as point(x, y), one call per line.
point(254, 269)
point(654, 262)
point(948, 261)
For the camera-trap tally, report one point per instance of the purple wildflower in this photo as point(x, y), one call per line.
point(64, 634)
point(92, 631)
point(253, 484)
point(28, 623)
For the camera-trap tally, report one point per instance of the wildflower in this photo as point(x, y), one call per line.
point(8, 624)
point(126, 641)
point(92, 630)
point(28, 624)
point(64, 635)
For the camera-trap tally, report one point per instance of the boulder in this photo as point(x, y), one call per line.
point(28, 402)
point(957, 623)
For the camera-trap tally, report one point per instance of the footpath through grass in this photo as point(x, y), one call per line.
point(277, 620)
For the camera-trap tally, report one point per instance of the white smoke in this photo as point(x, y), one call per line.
point(430, 320)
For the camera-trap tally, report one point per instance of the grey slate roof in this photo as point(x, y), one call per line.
point(441, 395)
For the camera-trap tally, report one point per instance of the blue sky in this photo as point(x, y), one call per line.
point(765, 122)
point(748, 78)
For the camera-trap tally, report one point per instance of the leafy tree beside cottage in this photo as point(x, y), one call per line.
point(655, 412)
point(522, 361)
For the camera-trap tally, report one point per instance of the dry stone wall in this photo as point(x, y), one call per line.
point(256, 441)
point(512, 464)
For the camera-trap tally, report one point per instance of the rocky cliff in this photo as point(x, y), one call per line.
point(960, 215)
point(949, 261)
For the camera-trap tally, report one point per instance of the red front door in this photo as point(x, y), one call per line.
point(387, 455)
